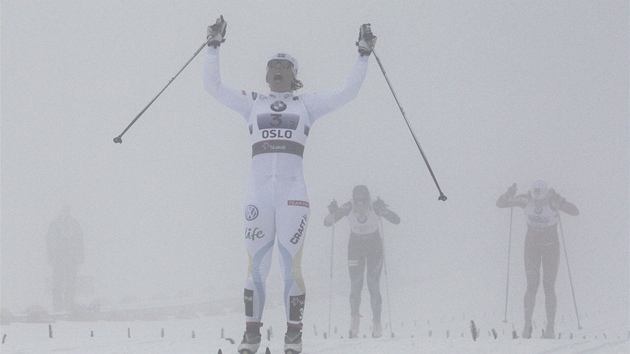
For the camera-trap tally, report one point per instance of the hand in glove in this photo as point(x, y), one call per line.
point(216, 32)
point(367, 40)
point(555, 199)
point(380, 206)
point(511, 192)
point(333, 207)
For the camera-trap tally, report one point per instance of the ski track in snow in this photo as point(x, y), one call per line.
point(420, 335)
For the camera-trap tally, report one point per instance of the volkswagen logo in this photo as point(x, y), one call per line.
point(251, 212)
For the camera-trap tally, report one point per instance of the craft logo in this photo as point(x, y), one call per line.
point(278, 106)
point(251, 212)
point(300, 231)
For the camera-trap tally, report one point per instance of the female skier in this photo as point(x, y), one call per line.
point(542, 206)
point(365, 249)
point(276, 201)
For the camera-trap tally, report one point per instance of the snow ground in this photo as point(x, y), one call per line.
point(203, 334)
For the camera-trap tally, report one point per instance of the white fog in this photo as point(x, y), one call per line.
point(497, 92)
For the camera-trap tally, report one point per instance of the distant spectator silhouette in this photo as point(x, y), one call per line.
point(64, 245)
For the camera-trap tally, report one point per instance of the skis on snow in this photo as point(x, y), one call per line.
point(267, 351)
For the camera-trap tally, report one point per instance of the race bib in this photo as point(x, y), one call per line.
point(278, 121)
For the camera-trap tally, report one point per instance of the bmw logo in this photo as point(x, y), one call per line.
point(278, 106)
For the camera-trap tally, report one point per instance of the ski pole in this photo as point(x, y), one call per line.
point(566, 257)
point(389, 308)
point(442, 197)
point(118, 139)
point(507, 281)
point(332, 248)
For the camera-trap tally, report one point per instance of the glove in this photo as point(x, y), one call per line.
point(216, 33)
point(333, 207)
point(379, 205)
point(366, 41)
point(511, 192)
point(555, 199)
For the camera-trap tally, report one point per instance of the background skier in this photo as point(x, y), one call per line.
point(276, 202)
point(541, 206)
point(365, 251)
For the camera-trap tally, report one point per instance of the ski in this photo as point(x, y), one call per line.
point(245, 351)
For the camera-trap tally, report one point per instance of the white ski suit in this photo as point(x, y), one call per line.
point(276, 202)
point(542, 248)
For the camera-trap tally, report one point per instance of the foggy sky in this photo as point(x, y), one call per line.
point(497, 92)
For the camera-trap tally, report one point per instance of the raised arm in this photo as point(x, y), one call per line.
point(336, 213)
point(237, 100)
point(381, 209)
point(508, 199)
point(323, 103)
point(559, 203)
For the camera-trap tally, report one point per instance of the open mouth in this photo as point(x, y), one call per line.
point(277, 77)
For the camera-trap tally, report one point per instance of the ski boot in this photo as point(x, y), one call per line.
point(354, 326)
point(549, 333)
point(527, 331)
point(251, 340)
point(377, 329)
point(293, 341)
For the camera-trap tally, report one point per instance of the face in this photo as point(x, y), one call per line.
point(280, 75)
point(361, 201)
point(539, 193)
point(539, 190)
